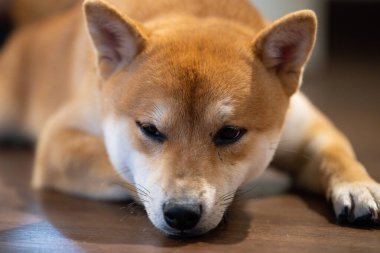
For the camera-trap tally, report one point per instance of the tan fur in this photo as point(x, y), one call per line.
point(24, 12)
point(188, 67)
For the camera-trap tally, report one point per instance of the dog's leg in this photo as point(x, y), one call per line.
point(75, 162)
point(324, 161)
point(12, 93)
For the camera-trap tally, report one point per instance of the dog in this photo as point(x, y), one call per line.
point(177, 104)
point(24, 12)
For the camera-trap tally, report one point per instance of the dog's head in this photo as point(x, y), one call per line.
point(193, 108)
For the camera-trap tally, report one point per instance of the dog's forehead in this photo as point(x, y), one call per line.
point(201, 75)
point(191, 78)
point(196, 89)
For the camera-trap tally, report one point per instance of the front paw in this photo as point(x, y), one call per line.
point(356, 202)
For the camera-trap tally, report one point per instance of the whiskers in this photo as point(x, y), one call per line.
point(235, 196)
point(137, 191)
point(232, 197)
point(130, 209)
point(140, 194)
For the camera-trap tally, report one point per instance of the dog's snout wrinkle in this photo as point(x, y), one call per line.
point(182, 215)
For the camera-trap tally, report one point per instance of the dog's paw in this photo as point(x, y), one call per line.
point(357, 203)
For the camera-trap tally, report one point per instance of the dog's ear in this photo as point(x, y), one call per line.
point(117, 39)
point(285, 47)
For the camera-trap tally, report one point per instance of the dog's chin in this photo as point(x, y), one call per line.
point(200, 230)
point(184, 234)
point(193, 233)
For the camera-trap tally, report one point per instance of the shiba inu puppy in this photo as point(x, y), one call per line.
point(176, 103)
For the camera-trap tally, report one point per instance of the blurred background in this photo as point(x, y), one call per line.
point(346, 27)
point(343, 77)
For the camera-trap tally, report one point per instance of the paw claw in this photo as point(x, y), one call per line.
point(343, 216)
point(356, 203)
point(364, 220)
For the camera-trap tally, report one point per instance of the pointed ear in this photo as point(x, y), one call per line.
point(117, 39)
point(286, 45)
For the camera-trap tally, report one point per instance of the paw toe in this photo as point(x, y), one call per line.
point(357, 205)
point(344, 215)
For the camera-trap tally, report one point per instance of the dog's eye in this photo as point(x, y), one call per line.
point(151, 131)
point(228, 135)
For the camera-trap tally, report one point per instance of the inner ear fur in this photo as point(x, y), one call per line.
point(286, 45)
point(117, 38)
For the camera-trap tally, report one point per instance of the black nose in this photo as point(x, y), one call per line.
point(182, 215)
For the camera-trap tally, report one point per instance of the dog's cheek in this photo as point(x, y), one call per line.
point(260, 156)
point(116, 140)
point(125, 157)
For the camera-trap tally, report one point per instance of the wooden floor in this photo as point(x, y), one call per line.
point(271, 218)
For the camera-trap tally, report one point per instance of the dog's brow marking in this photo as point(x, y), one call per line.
point(221, 109)
point(224, 109)
point(159, 110)
point(157, 114)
